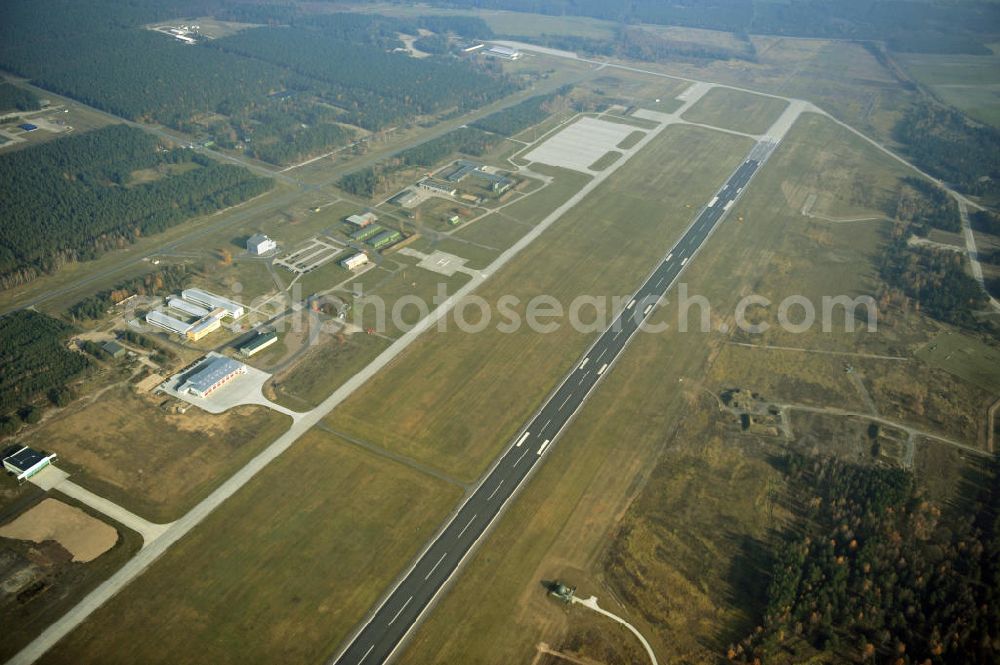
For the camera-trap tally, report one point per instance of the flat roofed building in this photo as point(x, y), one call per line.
point(260, 341)
point(438, 187)
point(115, 349)
point(259, 244)
point(211, 375)
point(355, 261)
point(182, 305)
point(24, 462)
point(385, 239)
point(200, 297)
point(406, 198)
point(161, 320)
point(367, 232)
point(504, 52)
point(203, 327)
point(362, 220)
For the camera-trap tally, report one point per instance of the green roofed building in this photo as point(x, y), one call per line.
point(385, 239)
point(367, 232)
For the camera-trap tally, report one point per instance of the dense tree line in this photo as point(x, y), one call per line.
point(944, 143)
point(467, 140)
point(134, 73)
point(71, 199)
point(375, 88)
point(924, 205)
point(169, 279)
point(520, 116)
point(986, 221)
point(876, 574)
point(101, 54)
point(639, 44)
point(34, 361)
point(907, 24)
point(13, 98)
point(935, 279)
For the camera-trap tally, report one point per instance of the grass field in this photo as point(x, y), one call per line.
point(968, 82)
point(689, 560)
point(296, 558)
point(606, 160)
point(966, 357)
point(324, 368)
point(457, 397)
point(739, 111)
point(155, 463)
point(630, 140)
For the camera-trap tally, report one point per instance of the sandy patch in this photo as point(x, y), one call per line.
point(83, 536)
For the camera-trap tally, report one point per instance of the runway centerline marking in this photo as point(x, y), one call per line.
point(521, 457)
point(396, 616)
point(428, 575)
point(495, 490)
point(467, 525)
point(366, 653)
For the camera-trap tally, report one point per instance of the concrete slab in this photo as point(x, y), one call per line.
point(54, 478)
point(655, 116)
point(246, 389)
point(581, 144)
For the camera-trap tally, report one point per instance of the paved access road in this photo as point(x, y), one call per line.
point(376, 641)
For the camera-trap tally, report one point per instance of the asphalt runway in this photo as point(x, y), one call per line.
point(402, 608)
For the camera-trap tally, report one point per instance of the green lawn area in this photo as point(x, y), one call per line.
point(494, 230)
point(324, 368)
point(966, 357)
point(606, 160)
point(968, 82)
point(457, 397)
point(281, 572)
point(736, 110)
point(630, 140)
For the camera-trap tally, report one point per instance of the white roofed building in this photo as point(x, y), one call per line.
point(212, 301)
point(259, 244)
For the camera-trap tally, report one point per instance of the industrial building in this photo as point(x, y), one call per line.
point(437, 187)
point(212, 301)
point(114, 349)
point(181, 305)
point(362, 220)
point(161, 320)
point(385, 239)
point(504, 52)
point(208, 323)
point(259, 244)
point(260, 341)
point(366, 233)
point(24, 462)
point(354, 261)
point(211, 375)
point(406, 198)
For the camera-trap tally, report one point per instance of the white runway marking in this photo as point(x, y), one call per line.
point(584, 363)
point(467, 526)
point(603, 367)
point(427, 576)
point(366, 653)
point(400, 611)
point(521, 457)
point(495, 490)
point(521, 440)
point(545, 445)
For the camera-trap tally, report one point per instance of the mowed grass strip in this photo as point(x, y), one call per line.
point(280, 573)
point(736, 110)
point(455, 398)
